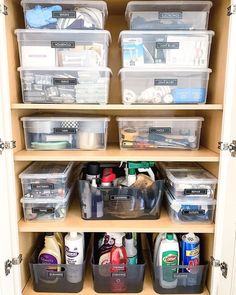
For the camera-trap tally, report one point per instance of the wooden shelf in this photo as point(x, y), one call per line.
point(113, 153)
point(114, 107)
point(88, 288)
point(74, 222)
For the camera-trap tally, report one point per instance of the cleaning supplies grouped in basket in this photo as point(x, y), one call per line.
point(129, 190)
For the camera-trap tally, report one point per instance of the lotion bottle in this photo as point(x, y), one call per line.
point(131, 249)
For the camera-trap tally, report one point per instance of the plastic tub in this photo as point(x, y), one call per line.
point(166, 48)
point(121, 203)
point(162, 86)
point(46, 180)
point(70, 48)
point(57, 14)
point(191, 183)
point(186, 282)
point(45, 209)
point(168, 15)
point(65, 85)
point(160, 132)
point(65, 133)
point(61, 278)
point(197, 210)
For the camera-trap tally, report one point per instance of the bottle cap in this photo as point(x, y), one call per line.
point(49, 234)
point(93, 168)
point(73, 234)
point(170, 237)
point(108, 175)
point(128, 236)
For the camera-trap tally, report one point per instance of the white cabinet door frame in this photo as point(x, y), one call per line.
point(225, 235)
point(10, 284)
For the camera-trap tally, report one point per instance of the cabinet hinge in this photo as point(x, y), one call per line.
point(222, 265)
point(231, 10)
point(10, 263)
point(3, 9)
point(224, 146)
point(5, 145)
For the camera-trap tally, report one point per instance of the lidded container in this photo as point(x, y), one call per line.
point(164, 86)
point(168, 15)
point(64, 14)
point(189, 49)
point(65, 85)
point(185, 183)
point(160, 132)
point(46, 180)
point(50, 132)
point(58, 48)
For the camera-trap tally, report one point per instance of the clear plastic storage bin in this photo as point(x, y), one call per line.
point(160, 132)
point(197, 210)
point(189, 49)
point(57, 278)
point(164, 86)
point(46, 209)
point(168, 15)
point(181, 280)
point(65, 133)
point(46, 180)
point(65, 85)
point(57, 14)
point(70, 48)
point(191, 183)
point(120, 203)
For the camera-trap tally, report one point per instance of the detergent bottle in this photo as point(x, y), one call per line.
point(166, 254)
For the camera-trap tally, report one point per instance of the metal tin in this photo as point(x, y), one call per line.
point(190, 251)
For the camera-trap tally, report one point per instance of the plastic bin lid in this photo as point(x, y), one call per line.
point(134, 6)
point(101, 5)
point(172, 70)
point(47, 117)
point(164, 119)
point(41, 170)
point(189, 175)
point(65, 69)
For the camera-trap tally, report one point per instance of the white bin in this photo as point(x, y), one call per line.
point(64, 14)
point(68, 48)
point(189, 49)
point(164, 86)
point(168, 15)
point(160, 132)
point(65, 85)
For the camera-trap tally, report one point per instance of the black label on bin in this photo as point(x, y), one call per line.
point(62, 44)
point(65, 131)
point(167, 45)
point(159, 130)
point(195, 192)
point(65, 81)
point(43, 210)
point(120, 197)
point(56, 274)
point(193, 212)
point(170, 15)
point(64, 14)
point(41, 186)
point(165, 82)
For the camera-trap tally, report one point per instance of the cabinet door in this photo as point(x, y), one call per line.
point(225, 236)
point(9, 284)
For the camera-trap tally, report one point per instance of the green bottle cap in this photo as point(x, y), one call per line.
point(170, 237)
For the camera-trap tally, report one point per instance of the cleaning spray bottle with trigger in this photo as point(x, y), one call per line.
point(140, 167)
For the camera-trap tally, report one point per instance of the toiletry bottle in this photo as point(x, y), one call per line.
point(50, 254)
point(105, 249)
point(107, 177)
point(131, 249)
point(92, 171)
point(168, 256)
point(119, 261)
point(60, 241)
point(74, 254)
point(97, 200)
point(86, 201)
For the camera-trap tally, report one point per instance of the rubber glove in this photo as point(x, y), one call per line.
point(41, 16)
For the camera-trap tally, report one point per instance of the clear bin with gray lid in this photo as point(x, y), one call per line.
point(185, 183)
point(65, 133)
point(168, 15)
point(65, 85)
point(64, 14)
point(186, 49)
point(68, 48)
point(46, 180)
point(164, 86)
point(160, 132)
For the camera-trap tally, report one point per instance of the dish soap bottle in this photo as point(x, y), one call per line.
point(131, 249)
